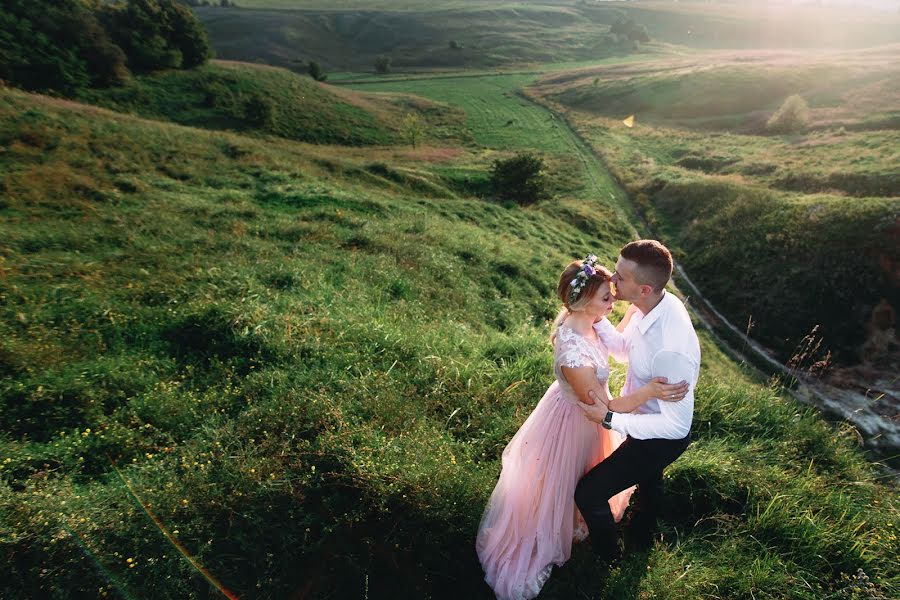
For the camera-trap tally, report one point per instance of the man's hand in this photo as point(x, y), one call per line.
point(596, 411)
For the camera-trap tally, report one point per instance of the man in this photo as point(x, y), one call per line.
point(658, 341)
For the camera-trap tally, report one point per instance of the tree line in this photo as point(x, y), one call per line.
point(64, 45)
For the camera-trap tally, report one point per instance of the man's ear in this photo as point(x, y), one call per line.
point(646, 290)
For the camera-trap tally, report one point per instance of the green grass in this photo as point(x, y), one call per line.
point(496, 116)
point(416, 37)
point(753, 217)
point(500, 120)
point(216, 96)
point(308, 369)
point(737, 91)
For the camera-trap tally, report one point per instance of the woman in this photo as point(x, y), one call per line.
point(531, 519)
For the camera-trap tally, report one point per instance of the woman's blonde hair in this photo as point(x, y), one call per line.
point(599, 276)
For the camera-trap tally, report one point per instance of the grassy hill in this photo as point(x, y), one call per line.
point(304, 363)
point(812, 216)
point(486, 35)
point(268, 100)
point(761, 25)
point(737, 91)
point(417, 35)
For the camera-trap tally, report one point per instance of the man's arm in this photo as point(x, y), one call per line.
point(614, 341)
point(674, 419)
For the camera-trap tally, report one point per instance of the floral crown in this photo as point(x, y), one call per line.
point(588, 270)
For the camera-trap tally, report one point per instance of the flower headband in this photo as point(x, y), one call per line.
point(580, 280)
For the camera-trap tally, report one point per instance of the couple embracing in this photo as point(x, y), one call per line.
point(572, 467)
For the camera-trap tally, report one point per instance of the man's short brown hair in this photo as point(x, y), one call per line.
point(654, 262)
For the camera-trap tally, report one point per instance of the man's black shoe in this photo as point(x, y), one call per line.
point(640, 533)
point(608, 552)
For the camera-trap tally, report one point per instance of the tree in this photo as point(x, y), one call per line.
point(316, 72)
point(187, 34)
point(157, 34)
point(382, 64)
point(521, 178)
point(56, 45)
point(792, 117)
point(412, 128)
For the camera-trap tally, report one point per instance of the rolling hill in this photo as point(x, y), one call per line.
point(304, 362)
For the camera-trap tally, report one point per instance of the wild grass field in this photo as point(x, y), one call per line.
point(303, 362)
point(812, 216)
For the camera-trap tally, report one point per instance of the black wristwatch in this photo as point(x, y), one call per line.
point(607, 420)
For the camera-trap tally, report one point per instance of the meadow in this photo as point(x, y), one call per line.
point(257, 100)
point(303, 362)
point(257, 342)
point(811, 216)
point(418, 35)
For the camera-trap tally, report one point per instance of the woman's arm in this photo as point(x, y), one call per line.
point(628, 314)
point(615, 342)
point(586, 385)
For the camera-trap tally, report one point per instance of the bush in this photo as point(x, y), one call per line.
point(412, 129)
point(382, 64)
point(520, 178)
point(631, 30)
point(259, 111)
point(792, 117)
point(316, 72)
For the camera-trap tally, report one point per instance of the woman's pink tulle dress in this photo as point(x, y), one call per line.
point(531, 519)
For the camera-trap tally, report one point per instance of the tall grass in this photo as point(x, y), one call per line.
point(309, 378)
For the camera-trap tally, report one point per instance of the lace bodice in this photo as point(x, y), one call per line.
point(574, 350)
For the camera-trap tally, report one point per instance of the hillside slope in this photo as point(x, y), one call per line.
point(261, 99)
point(812, 216)
point(422, 35)
point(305, 363)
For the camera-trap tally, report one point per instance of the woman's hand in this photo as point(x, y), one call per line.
point(670, 392)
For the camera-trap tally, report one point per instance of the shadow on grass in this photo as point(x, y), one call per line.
point(583, 577)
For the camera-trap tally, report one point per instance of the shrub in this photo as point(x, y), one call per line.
point(412, 129)
point(631, 30)
point(316, 72)
point(792, 117)
point(520, 178)
point(259, 111)
point(382, 64)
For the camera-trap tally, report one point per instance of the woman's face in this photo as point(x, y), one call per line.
point(601, 304)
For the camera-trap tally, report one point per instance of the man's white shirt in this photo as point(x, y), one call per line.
point(661, 343)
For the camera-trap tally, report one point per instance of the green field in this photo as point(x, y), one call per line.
point(812, 213)
point(496, 116)
point(417, 35)
point(416, 40)
point(306, 361)
point(272, 101)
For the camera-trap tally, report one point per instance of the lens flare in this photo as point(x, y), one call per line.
point(181, 549)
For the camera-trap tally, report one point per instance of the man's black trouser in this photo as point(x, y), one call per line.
point(638, 462)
